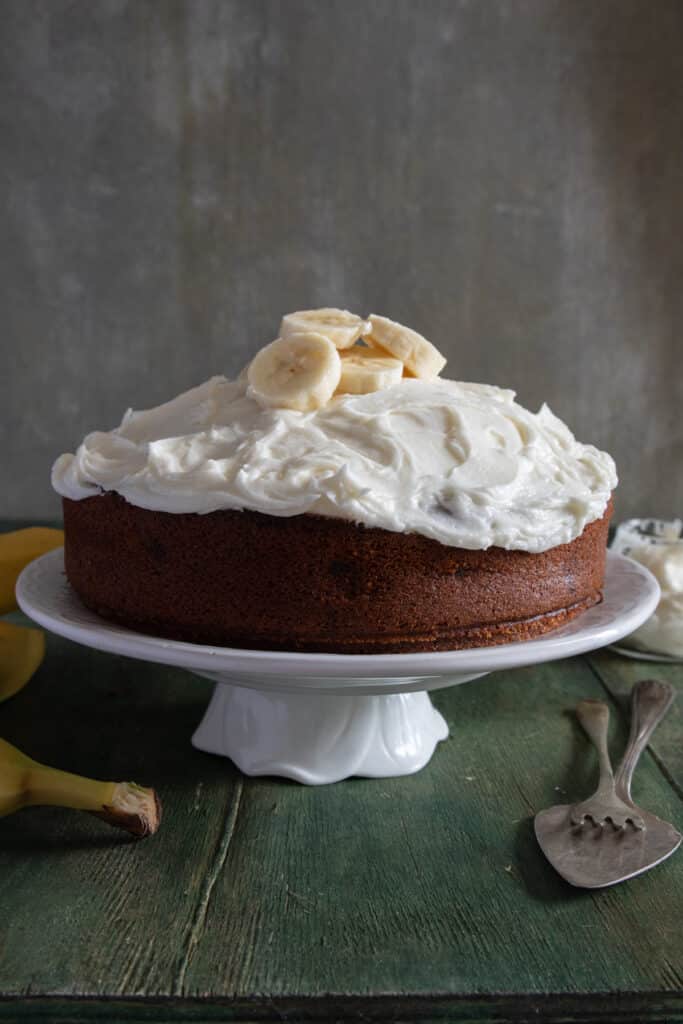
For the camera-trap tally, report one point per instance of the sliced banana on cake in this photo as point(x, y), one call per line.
point(419, 356)
point(367, 369)
point(299, 372)
point(341, 327)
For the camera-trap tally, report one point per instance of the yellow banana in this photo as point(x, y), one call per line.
point(21, 649)
point(21, 652)
point(26, 783)
point(23, 781)
point(17, 549)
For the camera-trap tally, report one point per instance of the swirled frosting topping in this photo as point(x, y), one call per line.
point(461, 463)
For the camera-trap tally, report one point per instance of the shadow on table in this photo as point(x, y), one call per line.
point(540, 880)
point(41, 830)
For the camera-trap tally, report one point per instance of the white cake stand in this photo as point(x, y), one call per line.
point(318, 718)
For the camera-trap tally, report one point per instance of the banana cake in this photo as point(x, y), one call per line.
point(338, 496)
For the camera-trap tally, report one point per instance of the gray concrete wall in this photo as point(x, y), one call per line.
point(504, 175)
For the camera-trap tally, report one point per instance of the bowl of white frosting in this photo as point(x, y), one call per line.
point(658, 545)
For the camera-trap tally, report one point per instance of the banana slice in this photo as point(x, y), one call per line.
point(420, 357)
point(340, 326)
point(243, 376)
point(299, 372)
point(367, 369)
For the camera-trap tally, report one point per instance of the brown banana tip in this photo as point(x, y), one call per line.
point(141, 822)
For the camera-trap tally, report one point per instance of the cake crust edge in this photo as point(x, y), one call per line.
point(315, 584)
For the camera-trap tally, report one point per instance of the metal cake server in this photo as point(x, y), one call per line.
point(605, 805)
point(624, 840)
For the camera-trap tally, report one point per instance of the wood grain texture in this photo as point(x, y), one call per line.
point(423, 898)
point(502, 175)
point(435, 882)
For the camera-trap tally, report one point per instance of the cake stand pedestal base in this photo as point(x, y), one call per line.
point(317, 738)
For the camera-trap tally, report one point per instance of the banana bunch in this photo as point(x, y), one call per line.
point(325, 352)
point(21, 648)
point(26, 783)
point(23, 781)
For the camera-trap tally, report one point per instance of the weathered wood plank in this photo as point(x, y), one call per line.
point(83, 909)
point(434, 883)
point(618, 674)
point(662, 1008)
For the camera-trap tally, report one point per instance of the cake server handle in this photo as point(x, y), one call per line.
point(605, 805)
point(650, 701)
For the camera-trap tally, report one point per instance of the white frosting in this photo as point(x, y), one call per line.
point(658, 545)
point(461, 463)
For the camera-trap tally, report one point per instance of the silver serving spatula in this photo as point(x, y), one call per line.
point(617, 840)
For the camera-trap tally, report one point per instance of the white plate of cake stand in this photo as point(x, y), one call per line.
point(319, 718)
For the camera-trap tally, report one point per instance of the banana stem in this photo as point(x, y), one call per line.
point(121, 804)
point(134, 808)
point(26, 783)
point(56, 788)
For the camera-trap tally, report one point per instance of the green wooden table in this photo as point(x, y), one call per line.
point(415, 899)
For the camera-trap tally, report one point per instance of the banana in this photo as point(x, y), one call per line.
point(21, 652)
point(17, 549)
point(367, 369)
point(299, 372)
point(26, 783)
point(341, 327)
point(420, 357)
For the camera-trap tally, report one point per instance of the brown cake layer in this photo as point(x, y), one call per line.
point(308, 583)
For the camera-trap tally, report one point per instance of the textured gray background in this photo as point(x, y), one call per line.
point(504, 175)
